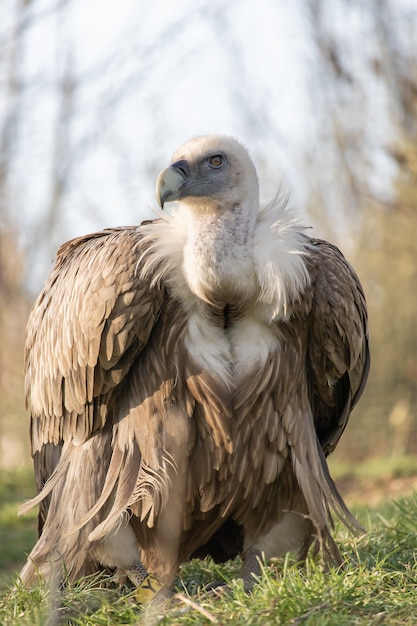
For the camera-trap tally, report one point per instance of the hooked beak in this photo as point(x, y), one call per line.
point(170, 182)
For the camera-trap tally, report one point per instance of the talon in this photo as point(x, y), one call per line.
point(217, 587)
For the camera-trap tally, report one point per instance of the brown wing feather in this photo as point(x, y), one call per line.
point(338, 349)
point(89, 323)
point(85, 330)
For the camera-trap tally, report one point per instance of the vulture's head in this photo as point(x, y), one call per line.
point(210, 171)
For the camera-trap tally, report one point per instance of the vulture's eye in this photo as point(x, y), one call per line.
point(216, 161)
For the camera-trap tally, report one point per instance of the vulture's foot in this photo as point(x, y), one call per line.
point(251, 569)
point(147, 585)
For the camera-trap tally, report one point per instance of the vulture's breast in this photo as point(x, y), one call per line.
point(232, 344)
point(242, 365)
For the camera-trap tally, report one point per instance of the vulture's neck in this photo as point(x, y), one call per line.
point(235, 257)
point(218, 253)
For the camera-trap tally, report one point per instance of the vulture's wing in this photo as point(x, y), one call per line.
point(338, 366)
point(87, 326)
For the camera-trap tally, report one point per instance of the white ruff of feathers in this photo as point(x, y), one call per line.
point(279, 246)
point(279, 249)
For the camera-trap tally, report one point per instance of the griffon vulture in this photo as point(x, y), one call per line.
point(186, 380)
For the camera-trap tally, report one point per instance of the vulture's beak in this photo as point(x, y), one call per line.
point(171, 181)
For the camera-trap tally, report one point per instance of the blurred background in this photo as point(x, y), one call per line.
point(94, 98)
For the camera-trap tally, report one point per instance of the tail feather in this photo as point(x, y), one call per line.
point(75, 487)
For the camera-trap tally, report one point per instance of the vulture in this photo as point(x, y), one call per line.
point(187, 378)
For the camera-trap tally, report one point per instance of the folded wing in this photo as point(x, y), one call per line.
point(88, 325)
point(338, 347)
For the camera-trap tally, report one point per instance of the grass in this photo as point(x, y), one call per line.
point(376, 586)
point(17, 534)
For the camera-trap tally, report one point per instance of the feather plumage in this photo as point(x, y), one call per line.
point(186, 379)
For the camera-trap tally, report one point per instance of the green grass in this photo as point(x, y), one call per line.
point(376, 586)
point(17, 534)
